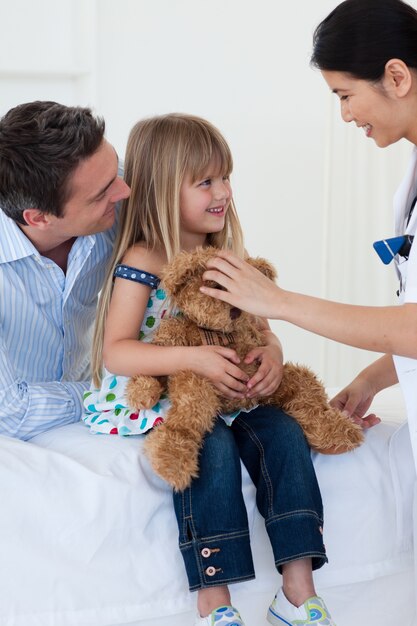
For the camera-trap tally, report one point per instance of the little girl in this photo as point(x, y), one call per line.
point(178, 168)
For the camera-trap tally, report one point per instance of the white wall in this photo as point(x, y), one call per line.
point(313, 193)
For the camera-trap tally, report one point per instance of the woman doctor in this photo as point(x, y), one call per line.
point(367, 53)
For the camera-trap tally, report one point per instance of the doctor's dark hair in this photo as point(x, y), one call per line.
point(359, 37)
point(41, 144)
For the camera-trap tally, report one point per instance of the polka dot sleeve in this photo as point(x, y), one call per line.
point(138, 276)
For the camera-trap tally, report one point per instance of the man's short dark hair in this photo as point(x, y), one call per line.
point(41, 144)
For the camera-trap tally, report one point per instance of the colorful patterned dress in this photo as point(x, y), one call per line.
point(106, 408)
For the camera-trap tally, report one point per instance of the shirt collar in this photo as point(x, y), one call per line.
point(14, 244)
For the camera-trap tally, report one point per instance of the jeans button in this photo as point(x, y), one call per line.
point(211, 571)
point(205, 552)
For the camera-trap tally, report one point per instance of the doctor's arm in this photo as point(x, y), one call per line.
point(389, 330)
point(27, 409)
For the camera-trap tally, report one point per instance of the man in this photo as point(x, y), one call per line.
point(59, 186)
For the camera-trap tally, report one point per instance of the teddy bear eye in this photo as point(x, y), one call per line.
point(235, 313)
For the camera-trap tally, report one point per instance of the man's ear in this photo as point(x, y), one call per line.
point(36, 218)
point(397, 77)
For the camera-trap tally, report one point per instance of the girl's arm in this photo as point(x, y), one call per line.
point(125, 355)
point(391, 330)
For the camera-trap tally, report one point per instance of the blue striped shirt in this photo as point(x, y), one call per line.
point(46, 324)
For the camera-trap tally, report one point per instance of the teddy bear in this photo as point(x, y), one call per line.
point(173, 446)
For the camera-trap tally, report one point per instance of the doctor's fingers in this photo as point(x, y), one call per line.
point(226, 261)
point(237, 270)
point(366, 422)
point(243, 282)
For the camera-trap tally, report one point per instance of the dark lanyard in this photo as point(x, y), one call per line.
point(413, 204)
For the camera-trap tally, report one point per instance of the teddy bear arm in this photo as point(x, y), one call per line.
point(143, 392)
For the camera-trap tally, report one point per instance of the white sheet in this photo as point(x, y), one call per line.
point(88, 534)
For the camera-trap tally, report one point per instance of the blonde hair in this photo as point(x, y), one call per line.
point(160, 152)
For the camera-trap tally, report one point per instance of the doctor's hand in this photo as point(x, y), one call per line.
point(243, 286)
point(355, 400)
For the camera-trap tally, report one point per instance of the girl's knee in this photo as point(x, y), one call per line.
point(293, 434)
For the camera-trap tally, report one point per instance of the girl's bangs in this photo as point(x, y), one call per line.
point(212, 158)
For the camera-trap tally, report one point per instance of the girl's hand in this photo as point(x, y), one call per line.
point(220, 365)
point(243, 286)
point(269, 375)
point(354, 400)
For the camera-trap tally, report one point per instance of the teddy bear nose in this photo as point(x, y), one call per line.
point(234, 313)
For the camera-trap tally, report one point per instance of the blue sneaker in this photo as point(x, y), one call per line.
point(312, 613)
point(222, 616)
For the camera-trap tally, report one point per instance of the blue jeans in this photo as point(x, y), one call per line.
point(213, 525)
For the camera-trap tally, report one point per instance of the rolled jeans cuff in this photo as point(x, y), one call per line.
point(218, 560)
point(300, 529)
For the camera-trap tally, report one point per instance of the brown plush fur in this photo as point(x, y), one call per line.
point(173, 447)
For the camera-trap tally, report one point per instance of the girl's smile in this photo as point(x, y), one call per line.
point(217, 210)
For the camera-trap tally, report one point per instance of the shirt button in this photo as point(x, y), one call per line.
point(211, 571)
point(205, 552)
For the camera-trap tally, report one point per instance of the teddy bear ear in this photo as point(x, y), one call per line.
point(184, 267)
point(263, 266)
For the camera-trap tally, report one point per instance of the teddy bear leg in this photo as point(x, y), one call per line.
point(174, 446)
point(327, 429)
point(143, 392)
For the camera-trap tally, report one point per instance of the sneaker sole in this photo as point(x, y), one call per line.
point(275, 619)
